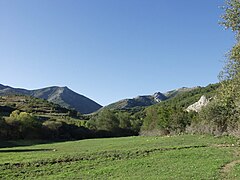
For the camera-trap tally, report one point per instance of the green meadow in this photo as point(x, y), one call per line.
point(169, 157)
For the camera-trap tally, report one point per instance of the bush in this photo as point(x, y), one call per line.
point(216, 118)
point(23, 125)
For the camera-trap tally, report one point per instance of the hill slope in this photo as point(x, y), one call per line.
point(59, 95)
point(140, 101)
point(175, 92)
point(29, 104)
point(183, 99)
point(183, 96)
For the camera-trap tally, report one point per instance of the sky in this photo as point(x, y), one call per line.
point(109, 50)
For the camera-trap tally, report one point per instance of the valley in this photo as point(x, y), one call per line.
point(120, 90)
point(173, 157)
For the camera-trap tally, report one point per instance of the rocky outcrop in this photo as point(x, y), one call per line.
point(197, 106)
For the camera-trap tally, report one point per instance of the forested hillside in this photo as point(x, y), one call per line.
point(25, 117)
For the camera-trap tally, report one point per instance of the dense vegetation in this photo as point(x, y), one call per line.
point(24, 117)
point(23, 125)
point(171, 116)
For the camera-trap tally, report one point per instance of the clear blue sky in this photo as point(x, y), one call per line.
point(111, 49)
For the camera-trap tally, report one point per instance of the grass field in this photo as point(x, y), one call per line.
point(176, 157)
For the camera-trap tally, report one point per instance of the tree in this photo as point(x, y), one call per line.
point(223, 114)
point(107, 120)
point(124, 120)
point(231, 20)
point(3, 129)
point(150, 121)
point(166, 118)
point(229, 93)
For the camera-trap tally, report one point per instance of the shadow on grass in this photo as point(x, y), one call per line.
point(24, 150)
point(19, 143)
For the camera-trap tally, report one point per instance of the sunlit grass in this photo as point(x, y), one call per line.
point(176, 157)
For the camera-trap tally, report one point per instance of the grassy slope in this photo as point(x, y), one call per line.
point(178, 157)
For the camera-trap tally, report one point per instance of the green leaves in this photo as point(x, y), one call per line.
point(106, 120)
point(166, 117)
point(232, 16)
point(223, 113)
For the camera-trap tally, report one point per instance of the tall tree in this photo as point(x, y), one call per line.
point(230, 76)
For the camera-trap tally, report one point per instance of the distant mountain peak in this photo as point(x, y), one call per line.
point(173, 93)
point(63, 96)
point(157, 93)
point(65, 87)
point(139, 101)
point(158, 96)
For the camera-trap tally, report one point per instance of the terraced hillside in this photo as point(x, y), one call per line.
point(31, 105)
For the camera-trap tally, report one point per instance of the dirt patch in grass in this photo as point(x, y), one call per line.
point(227, 168)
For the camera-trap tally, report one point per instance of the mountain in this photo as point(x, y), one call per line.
point(140, 101)
point(183, 96)
point(7, 90)
point(62, 96)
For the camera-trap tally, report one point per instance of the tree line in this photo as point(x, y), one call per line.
point(23, 125)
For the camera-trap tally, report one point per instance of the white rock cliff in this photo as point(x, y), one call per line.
point(197, 106)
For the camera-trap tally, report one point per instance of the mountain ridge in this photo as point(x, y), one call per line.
point(139, 101)
point(147, 100)
point(62, 96)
